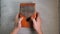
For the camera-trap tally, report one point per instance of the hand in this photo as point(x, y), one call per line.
point(18, 21)
point(37, 24)
point(17, 25)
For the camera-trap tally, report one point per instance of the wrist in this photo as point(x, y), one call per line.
point(17, 28)
point(15, 31)
point(39, 31)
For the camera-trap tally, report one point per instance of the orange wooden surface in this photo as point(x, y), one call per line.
point(24, 22)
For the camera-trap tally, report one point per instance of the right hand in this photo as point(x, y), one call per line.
point(37, 24)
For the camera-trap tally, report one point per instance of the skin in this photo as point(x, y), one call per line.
point(36, 25)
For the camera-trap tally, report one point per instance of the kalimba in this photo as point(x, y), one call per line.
point(27, 10)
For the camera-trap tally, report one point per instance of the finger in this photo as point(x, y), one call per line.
point(17, 16)
point(38, 17)
point(20, 20)
point(34, 21)
point(35, 14)
point(39, 20)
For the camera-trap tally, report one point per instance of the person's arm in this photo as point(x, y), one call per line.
point(37, 24)
point(17, 25)
point(15, 31)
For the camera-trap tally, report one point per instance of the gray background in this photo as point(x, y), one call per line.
point(59, 14)
point(48, 10)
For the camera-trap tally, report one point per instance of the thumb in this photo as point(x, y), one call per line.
point(20, 20)
point(34, 21)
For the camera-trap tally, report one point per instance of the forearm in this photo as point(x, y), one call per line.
point(39, 31)
point(15, 31)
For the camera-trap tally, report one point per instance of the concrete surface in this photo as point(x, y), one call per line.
point(48, 10)
point(59, 15)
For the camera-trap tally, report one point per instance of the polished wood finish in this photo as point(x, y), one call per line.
point(27, 22)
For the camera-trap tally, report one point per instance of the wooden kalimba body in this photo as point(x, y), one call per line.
point(27, 10)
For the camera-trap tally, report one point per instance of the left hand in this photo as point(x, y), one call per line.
point(17, 24)
point(18, 21)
